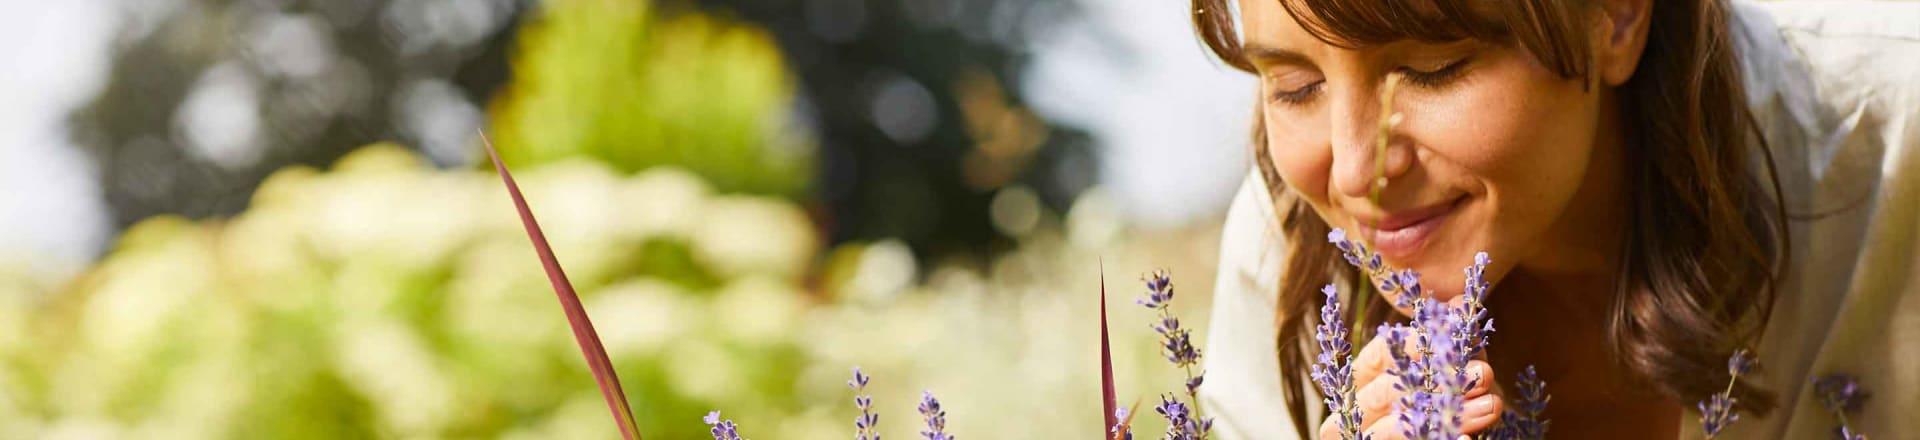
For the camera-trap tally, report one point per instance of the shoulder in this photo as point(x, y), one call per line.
point(1829, 69)
point(1834, 84)
point(1250, 240)
point(1243, 373)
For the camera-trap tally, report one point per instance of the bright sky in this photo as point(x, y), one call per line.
point(1172, 120)
point(51, 215)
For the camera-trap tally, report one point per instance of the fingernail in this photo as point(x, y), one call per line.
point(1480, 406)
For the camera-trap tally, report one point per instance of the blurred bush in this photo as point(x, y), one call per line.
point(613, 82)
point(385, 299)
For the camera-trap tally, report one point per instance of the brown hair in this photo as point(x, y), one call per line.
point(1705, 234)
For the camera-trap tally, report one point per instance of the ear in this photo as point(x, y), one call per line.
point(1622, 37)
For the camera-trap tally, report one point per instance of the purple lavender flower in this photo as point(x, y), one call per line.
point(936, 418)
point(1740, 363)
point(1403, 285)
point(722, 430)
point(1716, 413)
point(864, 426)
point(1175, 341)
point(1334, 370)
point(1841, 395)
point(1119, 430)
point(1417, 414)
point(1177, 345)
point(1525, 419)
point(1434, 383)
point(1474, 308)
point(1182, 423)
point(1159, 291)
point(1445, 347)
point(1718, 410)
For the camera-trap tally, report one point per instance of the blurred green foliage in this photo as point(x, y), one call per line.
point(385, 299)
point(613, 81)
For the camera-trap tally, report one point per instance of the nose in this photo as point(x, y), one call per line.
point(1360, 162)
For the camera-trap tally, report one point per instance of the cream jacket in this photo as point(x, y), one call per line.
point(1836, 86)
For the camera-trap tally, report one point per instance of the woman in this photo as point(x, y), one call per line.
point(1659, 184)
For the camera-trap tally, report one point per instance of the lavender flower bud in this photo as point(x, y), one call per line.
point(722, 430)
point(1177, 344)
point(1334, 371)
point(1182, 424)
point(1716, 413)
point(1119, 429)
point(1526, 419)
point(1839, 393)
point(864, 425)
point(936, 418)
point(1740, 363)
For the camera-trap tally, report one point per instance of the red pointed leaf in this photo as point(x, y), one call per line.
point(583, 333)
point(1106, 362)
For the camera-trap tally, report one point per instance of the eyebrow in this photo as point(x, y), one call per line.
point(1256, 51)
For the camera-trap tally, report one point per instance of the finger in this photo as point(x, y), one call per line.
point(1480, 413)
point(1330, 429)
point(1373, 360)
point(1484, 375)
point(1376, 399)
point(1386, 431)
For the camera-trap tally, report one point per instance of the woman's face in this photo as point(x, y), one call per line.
point(1493, 151)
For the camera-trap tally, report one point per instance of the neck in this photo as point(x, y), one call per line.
point(1562, 329)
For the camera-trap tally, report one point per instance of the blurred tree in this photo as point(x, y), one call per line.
point(205, 98)
point(919, 113)
point(613, 82)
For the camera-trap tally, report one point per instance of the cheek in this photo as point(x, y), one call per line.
point(1296, 142)
point(1516, 136)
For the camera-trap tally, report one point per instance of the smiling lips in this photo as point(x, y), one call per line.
point(1401, 235)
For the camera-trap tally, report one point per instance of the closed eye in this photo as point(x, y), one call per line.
point(1300, 95)
point(1436, 77)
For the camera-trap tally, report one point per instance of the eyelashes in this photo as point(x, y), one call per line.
point(1436, 77)
point(1430, 79)
point(1300, 95)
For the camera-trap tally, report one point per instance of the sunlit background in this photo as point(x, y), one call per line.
point(272, 219)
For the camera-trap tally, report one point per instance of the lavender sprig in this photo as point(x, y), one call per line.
point(1182, 422)
point(722, 429)
point(1404, 284)
point(1841, 395)
point(936, 418)
point(1434, 383)
point(1525, 419)
point(1177, 345)
point(1415, 384)
point(864, 426)
point(1334, 370)
point(1717, 412)
point(1473, 305)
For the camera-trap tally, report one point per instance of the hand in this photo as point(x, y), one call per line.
point(1375, 396)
